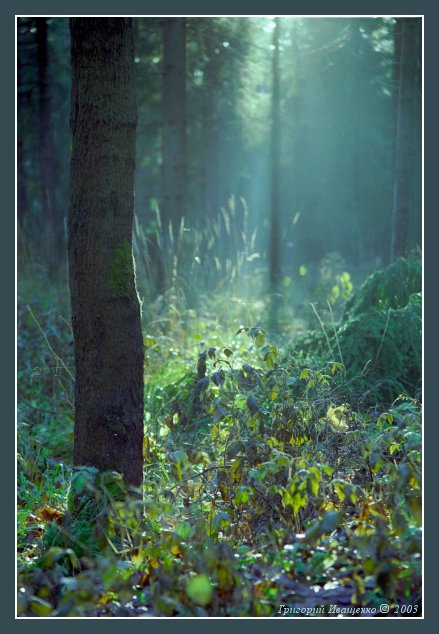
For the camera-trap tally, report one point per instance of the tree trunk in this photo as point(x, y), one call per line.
point(22, 197)
point(296, 144)
point(357, 152)
point(405, 138)
point(211, 149)
point(47, 148)
point(174, 123)
point(275, 246)
point(105, 304)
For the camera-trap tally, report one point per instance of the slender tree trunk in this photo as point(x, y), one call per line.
point(295, 145)
point(22, 198)
point(295, 112)
point(105, 304)
point(47, 147)
point(174, 158)
point(275, 242)
point(174, 122)
point(397, 40)
point(211, 149)
point(405, 138)
point(357, 150)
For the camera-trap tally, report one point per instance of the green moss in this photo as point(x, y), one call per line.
point(379, 337)
point(122, 271)
point(391, 287)
point(382, 350)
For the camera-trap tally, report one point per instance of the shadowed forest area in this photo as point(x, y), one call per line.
point(219, 308)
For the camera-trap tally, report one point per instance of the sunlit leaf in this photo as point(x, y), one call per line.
point(40, 607)
point(49, 514)
point(260, 339)
point(337, 417)
point(199, 589)
point(241, 497)
point(149, 341)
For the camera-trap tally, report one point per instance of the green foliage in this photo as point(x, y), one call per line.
point(263, 474)
point(383, 350)
point(391, 287)
point(379, 340)
point(334, 282)
point(277, 464)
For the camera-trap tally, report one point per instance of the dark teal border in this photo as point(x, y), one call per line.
point(8, 9)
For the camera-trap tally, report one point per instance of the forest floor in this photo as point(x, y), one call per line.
point(273, 484)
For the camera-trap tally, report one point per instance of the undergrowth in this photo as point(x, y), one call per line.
point(272, 477)
point(378, 339)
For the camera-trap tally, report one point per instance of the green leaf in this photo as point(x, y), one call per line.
point(242, 496)
point(184, 530)
point(40, 607)
point(199, 589)
point(242, 329)
point(149, 341)
point(339, 487)
point(260, 339)
point(328, 470)
point(326, 525)
point(315, 478)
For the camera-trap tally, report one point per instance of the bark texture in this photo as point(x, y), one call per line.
point(105, 304)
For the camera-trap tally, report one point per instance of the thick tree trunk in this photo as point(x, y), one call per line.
point(47, 148)
point(105, 304)
point(405, 138)
point(174, 158)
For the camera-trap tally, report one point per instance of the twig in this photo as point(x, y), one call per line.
point(335, 333)
point(200, 474)
point(382, 338)
point(39, 409)
point(322, 327)
point(57, 357)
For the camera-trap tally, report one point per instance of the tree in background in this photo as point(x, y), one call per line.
point(275, 257)
point(337, 155)
point(43, 136)
point(173, 149)
point(405, 130)
point(105, 305)
point(46, 147)
point(174, 158)
point(210, 176)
